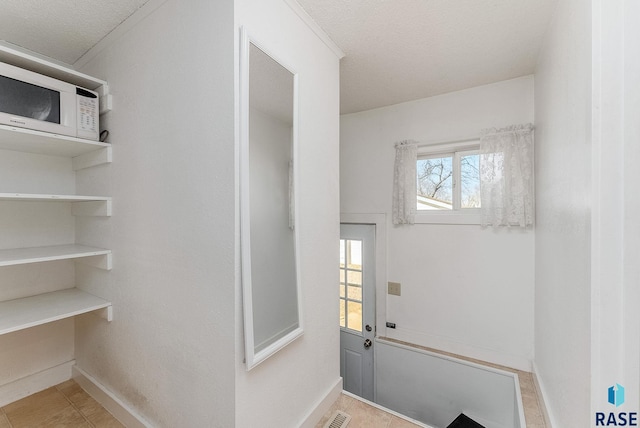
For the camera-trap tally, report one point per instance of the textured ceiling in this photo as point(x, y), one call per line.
point(62, 29)
point(401, 50)
point(396, 50)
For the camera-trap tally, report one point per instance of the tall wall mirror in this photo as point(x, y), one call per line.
point(270, 277)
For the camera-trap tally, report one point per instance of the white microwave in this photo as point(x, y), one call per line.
point(33, 101)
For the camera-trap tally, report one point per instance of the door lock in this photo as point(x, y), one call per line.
point(367, 344)
point(368, 327)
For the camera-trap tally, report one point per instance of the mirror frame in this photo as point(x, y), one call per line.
point(253, 358)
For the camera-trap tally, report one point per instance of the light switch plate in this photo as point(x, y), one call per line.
point(393, 288)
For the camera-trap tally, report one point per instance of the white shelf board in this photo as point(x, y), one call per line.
point(30, 141)
point(19, 57)
point(44, 308)
point(28, 197)
point(20, 256)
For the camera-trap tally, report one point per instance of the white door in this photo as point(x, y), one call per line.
point(357, 308)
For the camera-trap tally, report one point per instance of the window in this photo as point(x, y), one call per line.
point(351, 284)
point(448, 183)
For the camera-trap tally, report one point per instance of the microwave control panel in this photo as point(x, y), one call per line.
point(88, 114)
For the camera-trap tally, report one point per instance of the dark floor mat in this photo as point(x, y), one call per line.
point(463, 421)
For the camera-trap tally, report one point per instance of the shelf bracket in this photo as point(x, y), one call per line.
point(95, 158)
point(101, 262)
point(105, 313)
point(106, 99)
point(92, 208)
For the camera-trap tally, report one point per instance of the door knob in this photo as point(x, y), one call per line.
point(367, 344)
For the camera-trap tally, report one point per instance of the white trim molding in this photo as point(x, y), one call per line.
point(542, 397)
point(36, 382)
point(447, 344)
point(323, 406)
point(313, 25)
point(120, 410)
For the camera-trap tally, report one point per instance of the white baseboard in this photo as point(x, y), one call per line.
point(324, 404)
point(121, 411)
point(542, 395)
point(36, 382)
point(470, 351)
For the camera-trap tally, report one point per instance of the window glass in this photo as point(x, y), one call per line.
point(435, 183)
point(355, 315)
point(351, 284)
point(470, 181)
point(355, 293)
point(448, 183)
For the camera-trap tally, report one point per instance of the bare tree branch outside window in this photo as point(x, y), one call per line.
point(435, 178)
point(470, 178)
point(435, 182)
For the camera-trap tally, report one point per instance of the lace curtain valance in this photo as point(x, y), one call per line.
point(506, 176)
point(404, 183)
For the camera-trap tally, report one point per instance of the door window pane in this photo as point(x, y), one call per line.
point(355, 315)
point(351, 284)
point(354, 277)
point(355, 293)
point(354, 253)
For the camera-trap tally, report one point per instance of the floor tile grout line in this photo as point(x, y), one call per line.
point(70, 406)
point(6, 418)
point(75, 407)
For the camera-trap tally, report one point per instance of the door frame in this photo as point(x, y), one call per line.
point(380, 250)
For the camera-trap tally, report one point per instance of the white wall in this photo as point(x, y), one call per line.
point(587, 241)
point(169, 352)
point(464, 289)
point(287, 387)
point(563, 229)
point(631, 247)
point(615, 335)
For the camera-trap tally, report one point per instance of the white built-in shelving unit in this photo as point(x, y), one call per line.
point(43, 308)
point(36, 310)
point(21, 256)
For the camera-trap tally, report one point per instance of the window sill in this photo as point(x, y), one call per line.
point(452, 217)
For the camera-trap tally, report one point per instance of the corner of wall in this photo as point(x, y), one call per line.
point(120, 410)
point(542, 397)
point(322, 406)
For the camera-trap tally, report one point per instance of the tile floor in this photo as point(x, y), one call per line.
point(63, 405)
point(365, 416)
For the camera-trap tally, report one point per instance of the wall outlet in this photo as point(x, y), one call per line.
point(393, 288)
